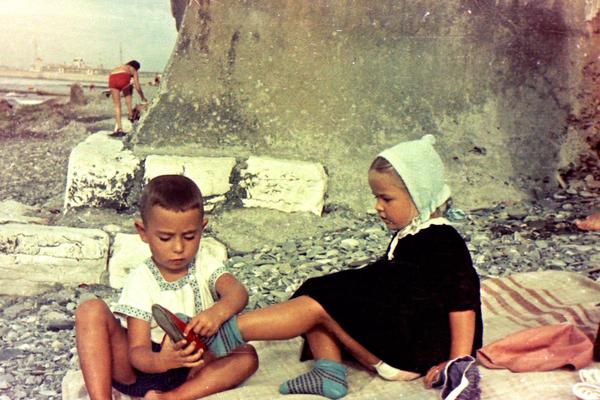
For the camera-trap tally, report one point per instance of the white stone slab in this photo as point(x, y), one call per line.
point(33, 257)
point(284, 185)
point(13, 211)
point(129, 251)
point(73, 388)
point(211, 174)
point(100, 173)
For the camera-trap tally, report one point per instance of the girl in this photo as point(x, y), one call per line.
point(403, 316)
point(119, 81)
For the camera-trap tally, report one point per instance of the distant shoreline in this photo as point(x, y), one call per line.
point(68, 76)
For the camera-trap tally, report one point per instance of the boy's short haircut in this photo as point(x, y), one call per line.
point(135, 64)
point(171, 192)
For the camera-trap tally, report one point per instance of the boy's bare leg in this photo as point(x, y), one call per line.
point(216, 376)
point(127, 92)
point(116, 97)
point(102, 349)
point(299, 316)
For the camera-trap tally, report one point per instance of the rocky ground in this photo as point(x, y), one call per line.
point(38, 336)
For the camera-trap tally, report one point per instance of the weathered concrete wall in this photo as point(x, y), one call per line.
point(336, 81)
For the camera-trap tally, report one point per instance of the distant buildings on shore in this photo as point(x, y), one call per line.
point(77, 70)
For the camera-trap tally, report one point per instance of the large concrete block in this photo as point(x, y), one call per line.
point(32, 257)
point(100, 173)
point(284, 185)
point(497, 82)
point(211, 174)
point(73, 388)
point(129, 251)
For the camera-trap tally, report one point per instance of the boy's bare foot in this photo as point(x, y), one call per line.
point(589, 223)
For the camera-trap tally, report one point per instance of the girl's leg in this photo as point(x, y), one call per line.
point(215, 376)
point(303, 315)
point(102, 349)
point(296, 317)
point(323, 344)
point(328, 376)
point(116, 96)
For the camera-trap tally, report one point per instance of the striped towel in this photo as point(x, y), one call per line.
point(533, 299)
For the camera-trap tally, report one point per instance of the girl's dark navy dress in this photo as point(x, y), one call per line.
point(398, 309)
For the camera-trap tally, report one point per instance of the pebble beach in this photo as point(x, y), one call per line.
point(38, 338)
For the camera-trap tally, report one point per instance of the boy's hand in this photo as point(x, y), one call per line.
point(207, 323)
point(180, 354)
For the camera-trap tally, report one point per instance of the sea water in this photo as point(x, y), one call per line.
point(26, 91)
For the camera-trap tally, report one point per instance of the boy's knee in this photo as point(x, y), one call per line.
point(94, 308)
point(250, 357)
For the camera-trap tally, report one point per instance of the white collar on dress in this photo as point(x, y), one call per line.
point(411, 229)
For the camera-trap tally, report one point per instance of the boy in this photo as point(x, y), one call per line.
point(119, 81)
point(134, 355)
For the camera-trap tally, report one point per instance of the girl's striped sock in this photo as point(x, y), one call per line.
point(327, 378)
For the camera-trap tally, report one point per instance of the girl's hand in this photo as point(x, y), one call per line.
point(180, 354)
point(207, 323)
point(433, 374)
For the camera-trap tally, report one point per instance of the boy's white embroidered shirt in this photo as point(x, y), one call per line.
point(189, 295)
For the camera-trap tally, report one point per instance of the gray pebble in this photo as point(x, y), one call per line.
point(60, 325)
point(5, 381)
point(11, 354)
point(556, 263)
point(15, 310)
point(349, 244)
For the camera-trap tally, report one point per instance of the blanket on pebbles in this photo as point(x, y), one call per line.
point(510, 304)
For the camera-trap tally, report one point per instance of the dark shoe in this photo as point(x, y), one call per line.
point(135, 115)
point(459, 380)
point(118, 133)
point(174, 326)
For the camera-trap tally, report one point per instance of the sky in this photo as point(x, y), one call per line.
point(95, 30)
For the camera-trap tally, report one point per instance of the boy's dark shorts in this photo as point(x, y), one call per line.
point(163, 381)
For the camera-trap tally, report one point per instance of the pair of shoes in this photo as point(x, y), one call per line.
point(459, 380)
point(135, 114)
point(589, 387)
point(175, 326)
point(118, 133)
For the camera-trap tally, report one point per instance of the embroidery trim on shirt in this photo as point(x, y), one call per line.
point(133, 312)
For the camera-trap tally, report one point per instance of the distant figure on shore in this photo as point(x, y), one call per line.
point(156, 80)
point(120, 80)
point(589, 223)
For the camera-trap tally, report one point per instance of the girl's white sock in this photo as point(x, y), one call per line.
point(390, 373)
